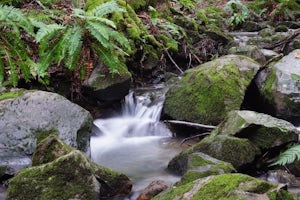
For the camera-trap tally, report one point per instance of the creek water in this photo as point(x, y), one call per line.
point(135, 142)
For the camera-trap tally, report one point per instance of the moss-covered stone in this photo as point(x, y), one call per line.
point(206, 93)
point(197, 165)
point(226, 187)
point(72, 176)
point(49, 149)
point(262, 130)
point(237, 151)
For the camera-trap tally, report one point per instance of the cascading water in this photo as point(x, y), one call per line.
point(136, 142)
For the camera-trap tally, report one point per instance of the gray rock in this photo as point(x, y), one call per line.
point(280, 85)
point(264, 131)
point(33, 114)
point(250, 51)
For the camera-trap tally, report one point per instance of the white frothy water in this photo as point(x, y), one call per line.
point(136, 143)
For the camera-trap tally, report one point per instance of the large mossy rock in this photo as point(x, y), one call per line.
point(206, 93)
point(227, 187)
point(237, 151)
point(264, 131)
point(279, 86)
point(197, 165)
point(249, 50)
point(29, 115)
point(71, 176)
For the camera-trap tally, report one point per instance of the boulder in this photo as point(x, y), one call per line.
point(197, 165)
point(227, 187)
point(29, 115)
point(107, 87)
point(206, 93)
point(237, 151)
point(279, 86)
point(264, 131)
point(71, 176)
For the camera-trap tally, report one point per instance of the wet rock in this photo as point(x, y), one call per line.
point(250, 51)
point(251, 26)
point(107, 87)
point(153, 189)
point(282, 176)
point(197, 165)
point(71, 176)
point(227, 186)
point(29, 115)
point(264, 131)
point(206, 93)
point(279, 85)
point(216, 34)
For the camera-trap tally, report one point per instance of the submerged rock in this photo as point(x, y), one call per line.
point(264, 131)
point(206, 93)
point(279, 85)
point(227, 187)
point(197, 165)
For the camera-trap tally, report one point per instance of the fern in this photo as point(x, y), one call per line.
point(100, 32)
point(104, 9)
point(289, 156)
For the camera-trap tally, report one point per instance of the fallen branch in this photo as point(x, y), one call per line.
point(174, 62)
point(285, 40)
point(191, 124)
point(193, 137)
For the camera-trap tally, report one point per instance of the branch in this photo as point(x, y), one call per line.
point(191, 124)
point(285, 40)
point(173, 62)
point(193, 137)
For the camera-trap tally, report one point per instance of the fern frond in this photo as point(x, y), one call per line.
point(102, 21)
point(104, 9)
point(74, 47)
point(120, 39)
point(48, 31)
point(100, 32)
point(289, 156)
point(12, 72)
point(2, 70)
point(108, 58)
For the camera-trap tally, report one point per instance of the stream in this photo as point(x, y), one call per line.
point(135, 142)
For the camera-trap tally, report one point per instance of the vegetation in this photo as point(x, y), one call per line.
point(289, 156)
point(238, 11)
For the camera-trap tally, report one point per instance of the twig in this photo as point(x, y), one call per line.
point(198, 59)
point(193, 137)
point(173, 62)
point(191, 124)
point(285, 40)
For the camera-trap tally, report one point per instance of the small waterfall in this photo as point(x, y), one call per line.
point(136, 142)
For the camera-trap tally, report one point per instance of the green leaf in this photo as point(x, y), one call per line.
point(289, 156)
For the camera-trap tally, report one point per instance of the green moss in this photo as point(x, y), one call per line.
point(169, 42)
point(43, 134)
point(138, 4)
point(11, 95)
point(53, 181)
point(175, 192)
point(3, 169)
point(269, 85)
point(281, 195)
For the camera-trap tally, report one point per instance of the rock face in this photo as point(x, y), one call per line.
point(108, 87)
point(264, 131)
point(33, 114)
point(197, 165)
point(279, 85)
point(206, 93)
point(227, 187)
point(66, 174)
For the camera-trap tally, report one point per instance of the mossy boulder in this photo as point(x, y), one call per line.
point(227, 187)
point(264, 131)
point(108, 87)
point(279, 86)
point(71, 176)
point(237, 151)
point(206, 93)
point(197, 165)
